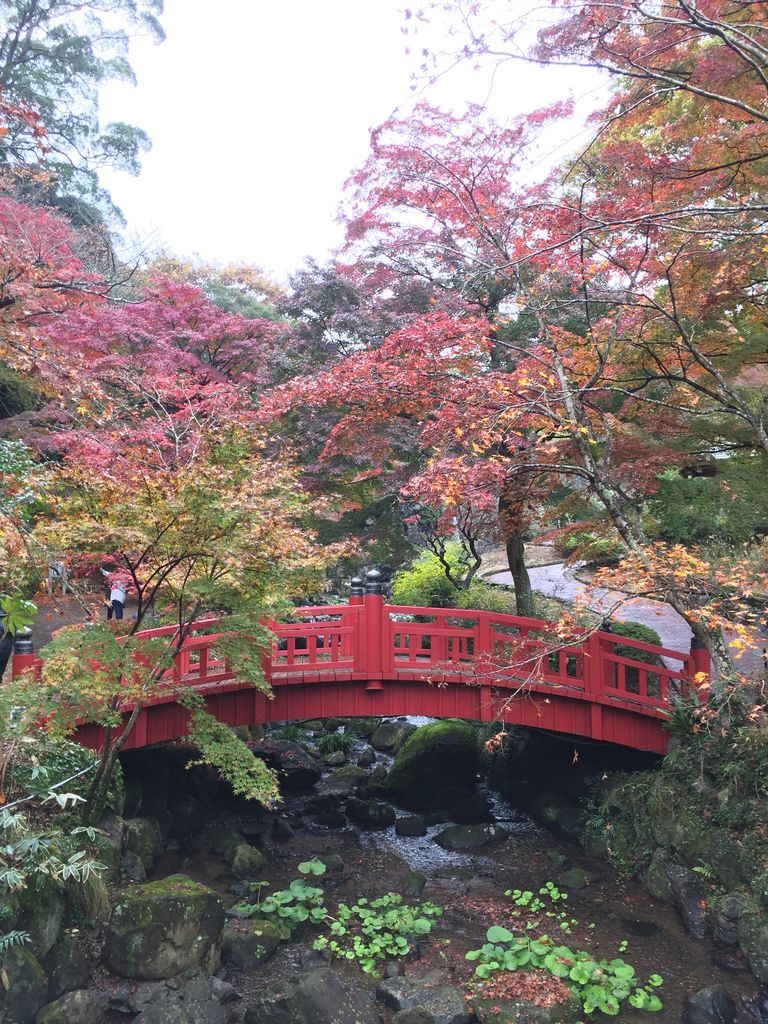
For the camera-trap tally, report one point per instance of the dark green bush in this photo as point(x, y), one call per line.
point(731, 506)
point(635, 631)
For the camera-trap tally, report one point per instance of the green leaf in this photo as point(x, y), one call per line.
point(496, 933)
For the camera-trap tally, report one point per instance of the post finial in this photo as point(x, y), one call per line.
point(373, 582)
point(356, 587)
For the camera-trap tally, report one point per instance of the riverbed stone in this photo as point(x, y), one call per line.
point(414, 1016)
point(711, 1005)
point(366, 758)
point(245, 861)
point(371, 814)
point(132, 869)
point(143, 837)
point(79, 1007)
point(472, 810)
point(390, 735)
point(159, 929)
point(248, 943)
point(469, 837)
point(27, 987)
point(445, 1003)
point(573, 878)
point(112, 844)
point(412, 825)
point(724, 856)
point(690, 899)
point(655, 877)
point(298, 769)
point(319, 996)
point(412, 884)
point(437, 755)
point(65, 966)
point(343, 782)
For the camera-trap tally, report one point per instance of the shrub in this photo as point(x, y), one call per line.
point(733, 505)
point(331, 742)
point(425, 584)
point(636, 631)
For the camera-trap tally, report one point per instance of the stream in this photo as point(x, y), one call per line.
point(614, 915)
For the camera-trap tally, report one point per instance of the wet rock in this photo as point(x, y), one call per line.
point(189, 1000)
point(724, 917)
point(390, 736)
point(343, 781)
point(364, 727)
point(556, 811)
point(366, 758)
point(445, 1003)
point(449, 796)
point(297, 768)
point(371, 814)
point(335, 759)
point(248, 943)
point(732, 961)
point(753, 939)
point(282, 828)
point(469, 837)
point(143, 837)
point(689, 898)
point(74, 1008)
point(472, 810)
point(437, 818)
point(392, 969)
point(27, 987)
point(414, 825)
point(574, 879)
point(331, 819)
point(412, 884)
point(724, 856)
point(66, 967)
point(314, 997)
point(334, 863)
point(557, 858)
point(437, 755)
point(159, 929)
point(710, 1005)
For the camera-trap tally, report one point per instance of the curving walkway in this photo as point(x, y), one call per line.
point(559, 581)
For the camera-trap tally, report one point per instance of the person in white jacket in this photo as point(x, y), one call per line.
point(117, 594)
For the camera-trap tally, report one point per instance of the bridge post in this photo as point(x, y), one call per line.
point(594, 681)
point(356, 591)
point(23, 654)
point(373, 651)
point(700, 659)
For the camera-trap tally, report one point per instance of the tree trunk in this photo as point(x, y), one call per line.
point(522, 581)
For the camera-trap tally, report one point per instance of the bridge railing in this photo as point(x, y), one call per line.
point(370, 640)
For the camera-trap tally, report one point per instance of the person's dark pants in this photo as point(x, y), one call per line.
point(116, 609)
point(6, 649)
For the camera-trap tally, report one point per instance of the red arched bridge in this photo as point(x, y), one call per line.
point(369, 658)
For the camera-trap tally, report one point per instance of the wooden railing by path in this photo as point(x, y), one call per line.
point(371, 658)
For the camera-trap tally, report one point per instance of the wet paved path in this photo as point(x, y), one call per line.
point(558, 581)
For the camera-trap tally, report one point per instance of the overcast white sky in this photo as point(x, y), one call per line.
point(258, 112)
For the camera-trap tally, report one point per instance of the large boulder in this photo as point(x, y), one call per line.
point(753, 939)
point(27, 988)
point(319, 996)
point(469, 837)
point(190, 998)
point(298, 770)
point(494, 1010)
point(724, 917)
point(41, 913)
point(66, 966)
point(437, 755)
point(247, 943)
point(79, 1007)
point(444, 1003)
point(690, 899)
point(391, 734)
point(343, 782)
point(245, 861)
point(160, 929)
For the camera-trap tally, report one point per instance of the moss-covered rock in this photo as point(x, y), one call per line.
point(144, 838)
point(41, 910)
point(494, 1010)
point(469, 837)
point(390, 735)
point(160, 929)
point(66, 966)
point(245, 860)
point(753, 939)
point(27, 987)
point(343, 781)
point(437, 755)
point(371, 814)
point(73, 1008)
point(248, 943)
